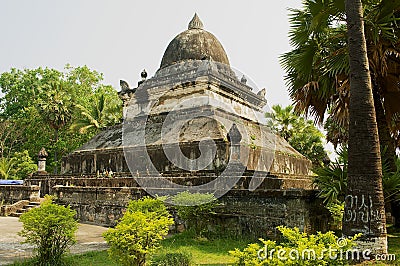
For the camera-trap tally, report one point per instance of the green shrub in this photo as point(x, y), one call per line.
point(297, 249)
point(172, 259)
point(336, 210)
point(195, 209)
point(139, 232)
point(24, 165)
point(19, 166)
point(51, 228)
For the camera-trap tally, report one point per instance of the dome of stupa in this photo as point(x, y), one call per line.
point(194, 44)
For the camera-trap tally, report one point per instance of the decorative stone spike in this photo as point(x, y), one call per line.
point(262, 92)
point(234, 134)
point(234, 138)
point(195, 23)
point(243, 79)
point(143, 74)
point(124, 85)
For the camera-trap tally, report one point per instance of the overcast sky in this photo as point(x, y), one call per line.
point(119, 38)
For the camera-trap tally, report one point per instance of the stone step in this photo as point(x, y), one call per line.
point(30, 206)
point(14, 214)
point(24, 209)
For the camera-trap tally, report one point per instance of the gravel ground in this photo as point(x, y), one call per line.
point(88, 238)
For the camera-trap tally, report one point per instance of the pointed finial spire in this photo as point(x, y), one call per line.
point(195, 23)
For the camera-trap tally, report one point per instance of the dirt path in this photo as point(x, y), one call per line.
point(88, 237)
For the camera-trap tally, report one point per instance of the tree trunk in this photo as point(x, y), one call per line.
point(396, 210)
point(364, 202)
point(55, 151)
point(385, 140)
point(389, 157)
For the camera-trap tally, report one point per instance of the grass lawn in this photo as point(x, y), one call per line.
point(394, 244)
point(203, 251)
point(208, 252)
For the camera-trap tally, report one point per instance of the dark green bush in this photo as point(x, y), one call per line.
point(172, 259)
point(196, 209)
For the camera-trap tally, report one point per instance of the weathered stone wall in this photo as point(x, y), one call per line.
point(278, 201)
point(259, 212)
point(48, 183)
point(102, 206)
point(242, 212)
point(10, 194)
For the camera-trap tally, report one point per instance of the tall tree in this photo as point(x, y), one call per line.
point(364, 201)
point(318, 66)
point(10, 135)
point(55, 108)
point(318, 69)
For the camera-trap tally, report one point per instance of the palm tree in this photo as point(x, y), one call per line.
point(6, 167)
point(364, 201)
point(55, 108)
point(299, 132)
point(318, 66)
point(103, 112)
point(318, 69)
point(281, 120)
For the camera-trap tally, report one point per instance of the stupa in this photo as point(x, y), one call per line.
point(196, 125)
point(182, 120)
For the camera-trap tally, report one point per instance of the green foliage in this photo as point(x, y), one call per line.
point(139, 232)
point(51, 228)
point(172, 259)
point(10, 135)
point(17, 167)
point(213, 252)
point(103, 111)
point(6, 168)
point(195, 209)
point(290, 252)
point(43, 103)
point(317, 68)
point(54, 105)
point(336, 210)
point(23, 165)
point(331, 179)
point(390, 180)
point(299, 132)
